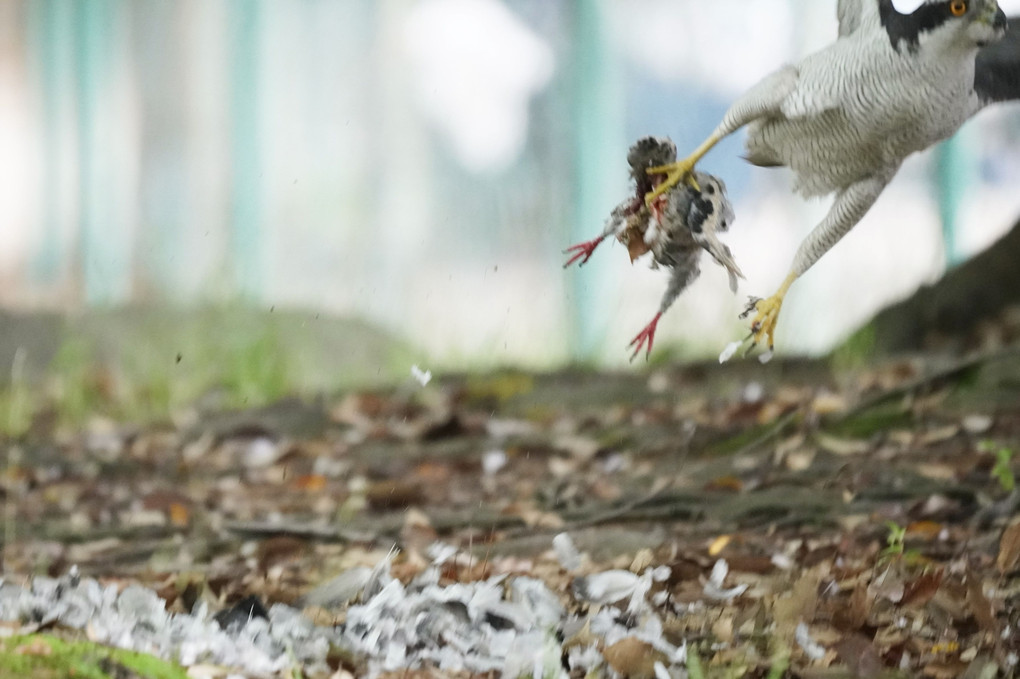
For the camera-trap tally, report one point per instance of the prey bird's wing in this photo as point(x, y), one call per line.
point(997, 70)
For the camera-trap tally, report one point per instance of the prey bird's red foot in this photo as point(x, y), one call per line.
point(646, 335)
point(582, 251)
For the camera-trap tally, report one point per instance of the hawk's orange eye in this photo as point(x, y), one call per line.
point(958, 7)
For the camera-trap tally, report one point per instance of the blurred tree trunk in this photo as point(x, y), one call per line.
point(947, 312)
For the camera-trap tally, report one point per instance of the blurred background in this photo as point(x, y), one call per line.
point(420, 165)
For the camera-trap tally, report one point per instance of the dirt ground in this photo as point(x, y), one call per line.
point(875, 503)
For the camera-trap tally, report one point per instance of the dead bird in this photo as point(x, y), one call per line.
point(676, 227)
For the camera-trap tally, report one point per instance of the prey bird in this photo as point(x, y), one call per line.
point(844, 118)
point(676, 228)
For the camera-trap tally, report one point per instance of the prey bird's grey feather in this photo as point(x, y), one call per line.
point(676, 229)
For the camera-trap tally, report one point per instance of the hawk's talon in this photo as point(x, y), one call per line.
point(680, 171)
point(763, 325)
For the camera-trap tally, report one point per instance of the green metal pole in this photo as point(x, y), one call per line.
point(600, 168)
point(246, 233)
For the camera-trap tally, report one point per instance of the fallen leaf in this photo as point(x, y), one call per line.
point(860, 656)
point(927, 530)
point(719, 544)
point(634, 658)
point(1008, 559)
point(920, 590)
point(725, 483)
point(311, 483)
point(179, 514)
point(980, 606)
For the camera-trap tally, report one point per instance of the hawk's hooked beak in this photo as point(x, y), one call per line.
point(994, 17)
point(999, 23)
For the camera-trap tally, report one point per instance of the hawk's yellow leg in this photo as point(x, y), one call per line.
point(680, 171)
point(763, 325)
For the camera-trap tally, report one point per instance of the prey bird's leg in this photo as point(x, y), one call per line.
point(763, 99)
point(582, 251)
point(850, 206)
point(645, 336)
point(685, 271)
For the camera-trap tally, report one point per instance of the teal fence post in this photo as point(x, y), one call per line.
point(599, 168)
point(954, 173)
point(51, 37)
point(105, 250)
point(246, 233)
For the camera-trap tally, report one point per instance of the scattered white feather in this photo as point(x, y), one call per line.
point(811, 648)
point(566, 552)
point(714, 587)
point(493, 461)
point(505, 625)
point(423, 377)
point(606, 587)
point(729, 351)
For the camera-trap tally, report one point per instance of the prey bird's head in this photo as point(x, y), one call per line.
point(944, 25)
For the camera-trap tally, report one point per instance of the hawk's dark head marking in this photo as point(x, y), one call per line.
point(969, 23)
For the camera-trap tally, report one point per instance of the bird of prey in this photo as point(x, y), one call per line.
point(676, 228)
point(844, 118)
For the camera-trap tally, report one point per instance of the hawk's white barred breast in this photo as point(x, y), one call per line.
point(858, 107)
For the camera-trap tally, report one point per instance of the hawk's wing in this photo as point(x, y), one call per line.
point(997, 71)
point(853, 13)
point(848, 12)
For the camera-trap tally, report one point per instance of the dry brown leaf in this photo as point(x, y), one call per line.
point(179, 514)
point(854, 615)
point(633, 658)
point(723, 629)
point(310, 483)
point(801, 604)
point(927, 530)
point(948, 669)
point(1008, 559)
point(920, 590)
point(394, 494)
point(980, 606)
point(726, 483)
point(861, 656)
point(719, 544)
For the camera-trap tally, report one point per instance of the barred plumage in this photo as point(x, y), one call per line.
point(843, 119)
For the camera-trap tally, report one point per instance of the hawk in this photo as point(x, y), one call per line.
point(844, 118)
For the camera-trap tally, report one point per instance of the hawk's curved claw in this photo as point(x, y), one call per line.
point(766, 313)
point(582, 251)
point(680, 171)
point(646, 335)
